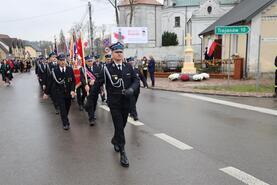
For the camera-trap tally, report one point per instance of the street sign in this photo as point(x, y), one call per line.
point(223, 30)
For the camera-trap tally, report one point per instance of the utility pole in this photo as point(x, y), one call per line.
point(90, 26)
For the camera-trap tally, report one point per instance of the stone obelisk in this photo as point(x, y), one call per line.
point(188, 66)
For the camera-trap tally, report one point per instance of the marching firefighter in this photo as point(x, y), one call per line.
point(121, 82)
point(64, 84)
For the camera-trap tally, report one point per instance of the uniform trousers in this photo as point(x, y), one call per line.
point(81, 95)
point(119, 111)
point(64, 105)
point(133, 107)
point(54, 99)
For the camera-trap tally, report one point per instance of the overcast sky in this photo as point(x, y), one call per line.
point(42, 19)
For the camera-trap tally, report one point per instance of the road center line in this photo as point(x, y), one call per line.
point(232, 104)
point(130, 120)
point(133, 122)
point(242, 176)
point(173, 141)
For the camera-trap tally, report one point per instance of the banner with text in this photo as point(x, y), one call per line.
point(130, 35)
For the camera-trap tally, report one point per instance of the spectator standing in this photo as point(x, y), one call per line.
point(151, 69)
point(144, 67)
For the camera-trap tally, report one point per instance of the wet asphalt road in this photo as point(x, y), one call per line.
point(34, 149)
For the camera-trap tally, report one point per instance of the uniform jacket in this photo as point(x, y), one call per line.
point(115, 94)
point(61, 89)
point(42, 73)
point(141, 77)
point(95, 71)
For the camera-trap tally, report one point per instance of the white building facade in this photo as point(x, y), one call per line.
point(178, 16)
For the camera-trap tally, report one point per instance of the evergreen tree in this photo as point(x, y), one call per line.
point(169, 39)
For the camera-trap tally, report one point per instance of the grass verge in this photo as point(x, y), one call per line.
point(240, 88)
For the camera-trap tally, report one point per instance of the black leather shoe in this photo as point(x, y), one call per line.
point(92, 122)
point(135, 118)
point(66, 127)
point(116, 148)
point(123, 159)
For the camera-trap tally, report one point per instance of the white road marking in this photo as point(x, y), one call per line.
point(105, 107)
point(133, 122)
point(173, 141)
point(130, 120)
point(232, 104)
point(242, 176)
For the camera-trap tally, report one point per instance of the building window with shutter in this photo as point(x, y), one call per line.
point(177, 22)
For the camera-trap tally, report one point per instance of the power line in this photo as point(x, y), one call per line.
point(43, 15)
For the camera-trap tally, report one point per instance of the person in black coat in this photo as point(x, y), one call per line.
point(151, 70)
point(64, 84)
point(51, 65)
point(42, 73)
point(134, 99)
point(6, 72)
point(121, 82)
point(87, 77)
point(93, 69)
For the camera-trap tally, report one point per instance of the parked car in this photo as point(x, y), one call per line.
point(172, 63)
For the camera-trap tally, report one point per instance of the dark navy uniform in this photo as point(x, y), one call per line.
point(134, 99)
point(37, 62)
point(121, 81)
point(42, 74)
point(118, 102)
point(51, 65)
point(63, 84)
point(94, 71)
point(85, 80)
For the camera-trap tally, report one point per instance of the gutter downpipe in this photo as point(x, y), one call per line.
point(155, 26)
point(245, 75)
point(201, 47)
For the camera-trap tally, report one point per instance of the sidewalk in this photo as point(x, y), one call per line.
point(189, 87)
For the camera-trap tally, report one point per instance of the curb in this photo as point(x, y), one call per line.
point(215, 93)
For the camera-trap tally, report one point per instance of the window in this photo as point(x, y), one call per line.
point(177, 21)
point(209, 9)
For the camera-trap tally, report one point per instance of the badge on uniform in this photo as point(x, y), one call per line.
point(115, 77)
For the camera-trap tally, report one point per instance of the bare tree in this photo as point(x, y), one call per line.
point(62, 43)
point(132, 9)
point(114, 3)
point(103, 30)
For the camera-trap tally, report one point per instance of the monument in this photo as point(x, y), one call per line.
point(188, 66)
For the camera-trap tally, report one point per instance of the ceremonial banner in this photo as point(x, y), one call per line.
point(131, 35)
point(80, 50)
point(77, 76)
